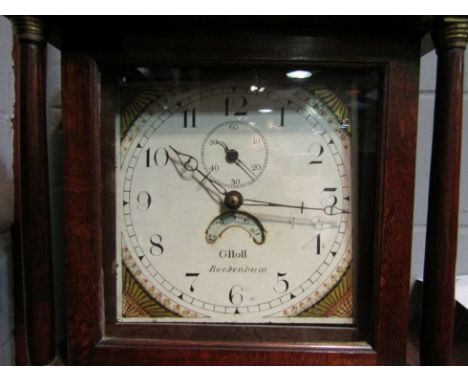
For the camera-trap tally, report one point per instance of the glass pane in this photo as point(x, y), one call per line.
point(237, 193)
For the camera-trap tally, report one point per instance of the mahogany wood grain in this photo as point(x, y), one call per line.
point(212, 353)
point(442, 221)
point(32, 228)
point(20, 332)
point(395, 214)
point(80, 107)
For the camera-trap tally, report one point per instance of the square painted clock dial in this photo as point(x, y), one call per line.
point(235, 195)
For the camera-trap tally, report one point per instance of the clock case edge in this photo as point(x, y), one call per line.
point(85, 232)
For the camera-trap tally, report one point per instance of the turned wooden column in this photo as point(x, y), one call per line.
point(450, 39)
point(33, 276)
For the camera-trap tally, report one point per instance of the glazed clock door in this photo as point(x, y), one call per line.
point(235, 194)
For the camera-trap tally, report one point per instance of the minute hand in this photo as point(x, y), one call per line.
point(328, 210)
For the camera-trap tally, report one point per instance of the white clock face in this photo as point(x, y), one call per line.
point(235, 205)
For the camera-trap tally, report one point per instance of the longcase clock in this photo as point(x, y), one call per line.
point(238, 190)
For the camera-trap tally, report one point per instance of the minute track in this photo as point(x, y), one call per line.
point(181, 215)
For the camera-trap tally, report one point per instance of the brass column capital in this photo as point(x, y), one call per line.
point(452, 33)
point(30, 28)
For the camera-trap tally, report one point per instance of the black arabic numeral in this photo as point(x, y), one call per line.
point(256, 166)
point(156, 248)
point(194, 275)
point(235, 295)
point(238, 103)
point(282, 285)
point(316, 151)
point(144, 200)
point(330, 202)
point(160, 157)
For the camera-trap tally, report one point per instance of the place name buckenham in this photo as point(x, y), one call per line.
point(242, 269)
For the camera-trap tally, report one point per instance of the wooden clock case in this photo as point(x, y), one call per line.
point(95, 49)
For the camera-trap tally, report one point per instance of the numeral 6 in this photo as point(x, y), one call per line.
point(235, 295)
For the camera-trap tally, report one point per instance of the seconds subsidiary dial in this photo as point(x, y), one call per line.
point(235, 153)
point(234, 206)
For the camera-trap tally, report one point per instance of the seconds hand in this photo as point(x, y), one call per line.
point(232, 156)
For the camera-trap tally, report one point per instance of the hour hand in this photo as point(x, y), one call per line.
point(190, 163)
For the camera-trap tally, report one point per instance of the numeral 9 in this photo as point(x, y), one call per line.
point(144, 201)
